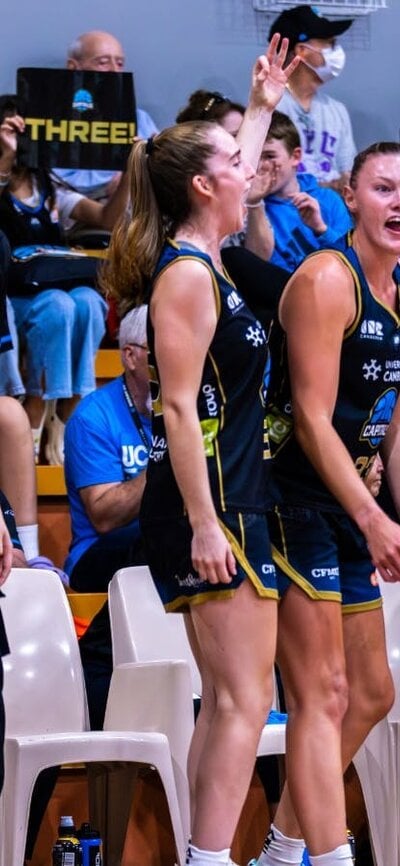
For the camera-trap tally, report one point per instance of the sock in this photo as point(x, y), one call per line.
point(29, 538)
point(206, 858)
point(281, 850)
point(341, 855)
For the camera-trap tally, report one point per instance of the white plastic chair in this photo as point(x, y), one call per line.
point(142, 631)
point(378, 760)
point(46, 715)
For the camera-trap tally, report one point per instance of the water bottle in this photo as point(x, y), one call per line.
point(92, 846)
point(67, 850)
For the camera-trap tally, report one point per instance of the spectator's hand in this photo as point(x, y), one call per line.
point(10, 128)
point(310, 211)
point(262, 183)
point(269, 79)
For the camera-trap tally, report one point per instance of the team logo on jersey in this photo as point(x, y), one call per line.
point(234, 301)
point(82, 101)
point(371, 370)
point(158, 448)
point(255, 335)
point(379, 419)
point(209, 429)
point(371, 330)
point(279, 426)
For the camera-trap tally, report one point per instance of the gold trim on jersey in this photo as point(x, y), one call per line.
point(194, 258)
point(363, 606)
point(239, 554)
point(298, 578)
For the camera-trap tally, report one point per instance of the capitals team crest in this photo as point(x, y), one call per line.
point(379, 419)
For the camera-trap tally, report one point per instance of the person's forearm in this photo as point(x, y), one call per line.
point(252, 133)
point(259, 236)
point(117, 505)
point(186, 448)
point(116, 204)
point(334, 464)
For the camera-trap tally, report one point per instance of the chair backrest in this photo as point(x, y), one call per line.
point(391, 613)
point(43, 681)
point(141, 629)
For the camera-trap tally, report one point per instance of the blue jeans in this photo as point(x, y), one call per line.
point(11, 383)
point(60, 333)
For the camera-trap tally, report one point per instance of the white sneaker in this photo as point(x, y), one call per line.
point(54, 449)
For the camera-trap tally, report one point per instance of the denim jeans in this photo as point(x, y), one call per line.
point(60, 333)
point(11, 383)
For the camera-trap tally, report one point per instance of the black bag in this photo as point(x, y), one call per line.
point(36, 268)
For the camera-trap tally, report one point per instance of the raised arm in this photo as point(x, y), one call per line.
point(184, 317)
point(268, 81)
point(316, 308)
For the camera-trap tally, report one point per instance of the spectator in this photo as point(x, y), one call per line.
point(106, 450)
point(99, 51)
point(60, 330)
point(303, 215)
point(211, 105)
point(323, 122)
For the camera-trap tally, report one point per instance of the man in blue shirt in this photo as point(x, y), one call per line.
point(106, 449)
point(297, 216)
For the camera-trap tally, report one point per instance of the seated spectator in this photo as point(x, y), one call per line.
point(106, 450)
point(60, 325)
point(323, 123)
point(211, 105)
point(99, 51)
point(303, 215)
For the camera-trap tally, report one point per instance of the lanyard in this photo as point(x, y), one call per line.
point(135, 415)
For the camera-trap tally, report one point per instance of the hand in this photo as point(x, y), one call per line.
point(6, 551)
point(269, 79)
point(310, 211)
point(10, 128)
point(384, 546)
point(212, 555)
point(262, 183)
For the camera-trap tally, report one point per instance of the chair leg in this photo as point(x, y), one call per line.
point(111, 788)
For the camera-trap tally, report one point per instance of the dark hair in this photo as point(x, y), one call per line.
point(283, 128)
point(378, 148)
point(160, 182)
point(208, 105)
point(11, 104)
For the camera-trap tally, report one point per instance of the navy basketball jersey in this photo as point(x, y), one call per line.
point(368, 389)
point(230, 404)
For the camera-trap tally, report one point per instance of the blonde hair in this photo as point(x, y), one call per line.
point(160, 173)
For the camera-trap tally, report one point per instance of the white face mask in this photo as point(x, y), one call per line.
point(334, 61)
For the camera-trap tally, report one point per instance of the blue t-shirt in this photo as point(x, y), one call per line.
point(293, 239)
point(102, 446)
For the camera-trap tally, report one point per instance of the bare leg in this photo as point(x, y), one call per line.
point(206, 713)
point(311, 658)
point(370, 695)
point(237, 641)
point(17, 467)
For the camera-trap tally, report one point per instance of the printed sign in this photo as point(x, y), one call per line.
point(76, 119)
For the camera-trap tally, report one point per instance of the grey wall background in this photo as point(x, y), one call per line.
point(175, 46)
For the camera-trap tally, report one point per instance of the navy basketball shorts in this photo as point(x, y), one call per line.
point(168, 553)
point(325, 554)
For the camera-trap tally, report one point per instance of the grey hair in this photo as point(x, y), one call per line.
point(74, 50)
point(133, 327)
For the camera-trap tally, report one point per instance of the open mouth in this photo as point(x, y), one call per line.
point(393, 224)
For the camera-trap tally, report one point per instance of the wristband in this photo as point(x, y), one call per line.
point(258, 204)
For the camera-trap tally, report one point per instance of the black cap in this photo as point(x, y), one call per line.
point(304, 22)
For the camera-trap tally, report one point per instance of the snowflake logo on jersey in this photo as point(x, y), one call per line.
point(255, 335)
point(372, 370)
